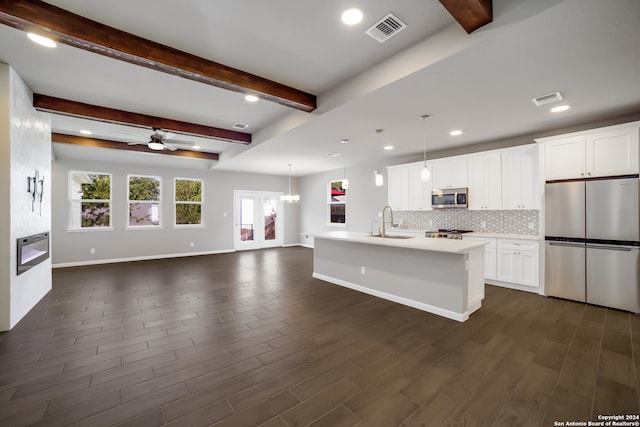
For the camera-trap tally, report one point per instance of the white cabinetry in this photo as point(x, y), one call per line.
point(490, 255)
point(520, 178)
point(398, 187)
point(406, 189)
point(419, 191)
point(596, 153)
point(450, 173)
point(485, 181)
point(518, 262)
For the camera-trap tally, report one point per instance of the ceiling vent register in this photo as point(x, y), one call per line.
point(547, 99)
point(386, 28)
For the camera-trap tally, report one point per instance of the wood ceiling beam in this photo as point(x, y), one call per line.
point(470, 14)
point(79, 109)
point(77, 31)
point(105, 143)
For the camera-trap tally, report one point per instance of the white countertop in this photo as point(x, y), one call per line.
point(474, 233)
point(419, 243)
point(505, 236)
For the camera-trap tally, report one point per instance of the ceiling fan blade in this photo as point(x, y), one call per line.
point(137, 143)
point(169, 146)
point(130, 134)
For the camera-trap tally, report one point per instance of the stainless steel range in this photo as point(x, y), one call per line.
point(447, 233)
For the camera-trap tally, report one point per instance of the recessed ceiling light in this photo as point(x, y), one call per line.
point(251, 98)
point(85, 132)
point(388, 147)
point(334, 154)
point(41, 40)
point(559, 108)
point(455, 132)
point(352, 16)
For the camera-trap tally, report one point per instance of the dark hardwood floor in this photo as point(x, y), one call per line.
point(250, 339)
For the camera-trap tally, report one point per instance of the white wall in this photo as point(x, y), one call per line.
point(25, 146)
point(73, 247)
point(364, 200)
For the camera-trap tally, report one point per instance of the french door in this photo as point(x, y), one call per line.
point(257, 220)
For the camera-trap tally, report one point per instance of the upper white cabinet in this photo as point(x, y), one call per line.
point(419, 191)
point(398, 187)
point(449, 173)
point(601, 152)
point(406, 191)
point(485, 181)
point(520, 178)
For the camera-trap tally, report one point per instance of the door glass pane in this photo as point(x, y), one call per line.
point(270, 206)
point(246, 219)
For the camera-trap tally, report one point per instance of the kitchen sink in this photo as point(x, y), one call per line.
point(391, 236)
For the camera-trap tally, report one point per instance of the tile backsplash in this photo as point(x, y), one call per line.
point(504, 222)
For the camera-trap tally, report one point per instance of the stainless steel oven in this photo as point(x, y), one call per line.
point(449, 198)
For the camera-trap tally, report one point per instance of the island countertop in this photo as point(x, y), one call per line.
point(420, 243)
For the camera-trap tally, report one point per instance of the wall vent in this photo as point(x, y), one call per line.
point(386, 28)
point(547, 99)
point(240, 125)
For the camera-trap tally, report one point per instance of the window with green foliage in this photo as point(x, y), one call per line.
point(144, 201)
point(188, 201)
point(90, 200)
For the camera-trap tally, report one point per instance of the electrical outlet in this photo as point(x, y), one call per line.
point(191, 244)
point(531, 226)
point(483, 225)
point(362, 270)
point(92, 250)
point(430, 223)
point(379, 214)
point(224, 215)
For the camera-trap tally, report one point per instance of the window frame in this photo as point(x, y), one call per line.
point(182, 202)
point(71, 201)
point(331, 202)
point(158, 202)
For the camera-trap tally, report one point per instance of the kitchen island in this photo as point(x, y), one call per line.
point(440, 276)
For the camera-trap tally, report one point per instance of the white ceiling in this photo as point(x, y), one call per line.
point(482, 83)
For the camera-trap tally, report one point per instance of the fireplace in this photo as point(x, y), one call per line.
point(32, 250)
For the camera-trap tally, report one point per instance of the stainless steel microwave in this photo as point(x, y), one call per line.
point(449, 198)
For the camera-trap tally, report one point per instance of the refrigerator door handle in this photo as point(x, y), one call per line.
point(611, 247)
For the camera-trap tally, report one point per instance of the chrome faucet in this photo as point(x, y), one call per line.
point(384, 234)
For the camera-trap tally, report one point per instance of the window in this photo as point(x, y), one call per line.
point(90, 200)
point(337, 203)
point(188, 201)
point(144, 201)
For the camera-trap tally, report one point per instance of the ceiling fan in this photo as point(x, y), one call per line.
point(158, 140)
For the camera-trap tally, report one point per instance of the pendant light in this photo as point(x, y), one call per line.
point(379, 178)
point(290, 198)
point(345, 181)
point(425, 173)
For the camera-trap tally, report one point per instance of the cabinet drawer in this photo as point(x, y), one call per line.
point(522, 245)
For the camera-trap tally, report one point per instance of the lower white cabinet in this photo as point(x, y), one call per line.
point(518, 262)
point(511, 263)
point(490, 255)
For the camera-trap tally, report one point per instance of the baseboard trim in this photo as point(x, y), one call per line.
point(460, 317)
point(139, 258)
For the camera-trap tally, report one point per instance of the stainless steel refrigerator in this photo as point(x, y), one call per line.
point(592, 241)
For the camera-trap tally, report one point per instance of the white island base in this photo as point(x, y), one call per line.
point(440, 276)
